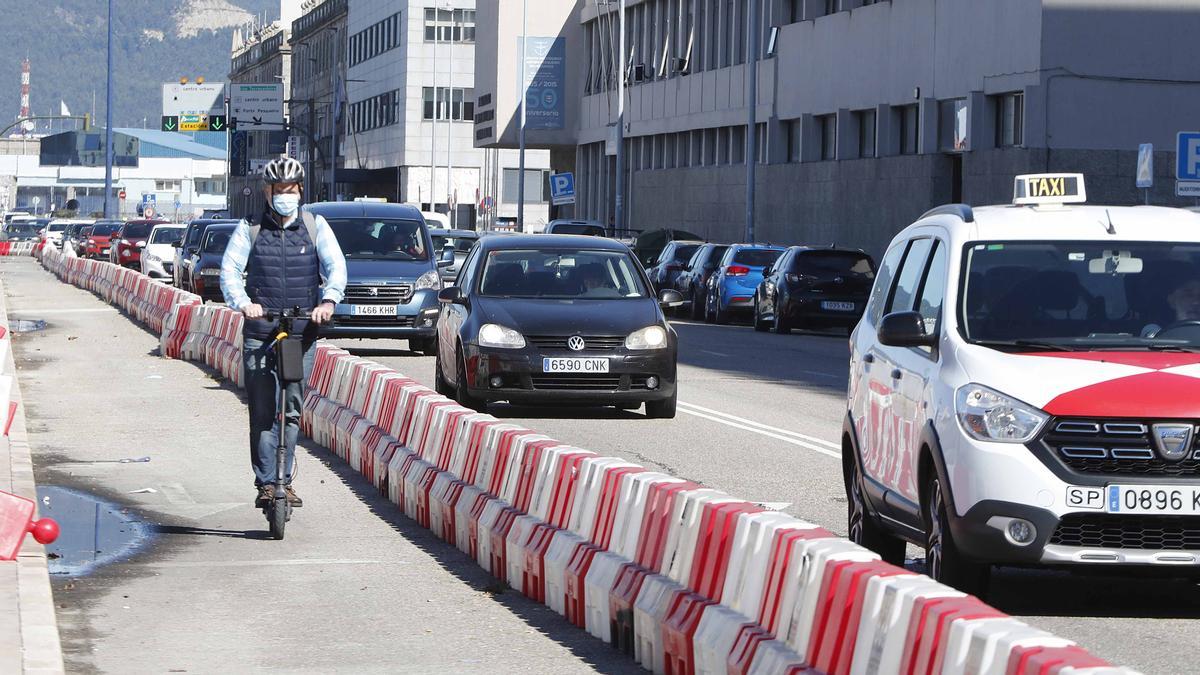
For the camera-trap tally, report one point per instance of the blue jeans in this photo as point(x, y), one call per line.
point(262, 394)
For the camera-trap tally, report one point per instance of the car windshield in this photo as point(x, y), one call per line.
point(105, 229)
point(22, 229)
point(756, 257)
point(461, 244)
point(1082, 295)
point(578, 228)
point(215, 241)
point(379, 238)
point(167, 235)
point(561, 274)
point(56, 227)
point(137, 230)
point(834, 264)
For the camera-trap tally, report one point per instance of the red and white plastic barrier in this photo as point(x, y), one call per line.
point(684, 578)
point(15, 248)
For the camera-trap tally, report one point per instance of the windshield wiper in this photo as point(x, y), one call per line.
point(1027, 344)
point(1173, 348)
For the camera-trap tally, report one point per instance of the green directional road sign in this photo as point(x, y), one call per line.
point(217, 123)
point(170, 123)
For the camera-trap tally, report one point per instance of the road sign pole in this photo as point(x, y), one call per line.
point(752, 121)
point(619, 200)
point(523, 92)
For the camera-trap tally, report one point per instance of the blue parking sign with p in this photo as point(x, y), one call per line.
point(562, 188)
point(1188, 156)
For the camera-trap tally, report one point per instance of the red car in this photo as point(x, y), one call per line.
point(128, 242)
point(100, 239)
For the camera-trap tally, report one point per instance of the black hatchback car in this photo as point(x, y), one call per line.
point(692, 282)
point(809, 287)
point(556, 319)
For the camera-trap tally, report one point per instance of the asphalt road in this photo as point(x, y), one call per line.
point(760, 416)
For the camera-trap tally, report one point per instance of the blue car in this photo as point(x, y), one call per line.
point(732, 286)
point(392, 269)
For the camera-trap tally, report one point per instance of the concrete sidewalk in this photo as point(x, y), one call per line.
point(355, 587)
point(29, 639)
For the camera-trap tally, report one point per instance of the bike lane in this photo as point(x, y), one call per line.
point(354, 586)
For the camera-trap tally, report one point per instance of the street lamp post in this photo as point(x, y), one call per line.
point(619, 200)
point(523, 91)
point(108, 135)
point(752, 121)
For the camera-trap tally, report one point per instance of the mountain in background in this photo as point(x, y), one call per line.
point(154, 41)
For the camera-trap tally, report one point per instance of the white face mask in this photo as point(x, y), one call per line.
point(286, 205)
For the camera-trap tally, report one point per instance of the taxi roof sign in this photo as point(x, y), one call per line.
point(1049, 188)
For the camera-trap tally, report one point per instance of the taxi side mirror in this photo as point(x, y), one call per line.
point(905, 329)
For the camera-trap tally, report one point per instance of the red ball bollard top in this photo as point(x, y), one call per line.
point(44, 531)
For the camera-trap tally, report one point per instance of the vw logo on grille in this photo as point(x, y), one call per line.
point(576, 343)
point(1174, 441)
point(372, 291)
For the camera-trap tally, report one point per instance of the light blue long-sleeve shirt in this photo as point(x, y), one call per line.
point(329, 252)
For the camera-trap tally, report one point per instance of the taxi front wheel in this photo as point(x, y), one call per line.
point(943, 560)
point(862, 528)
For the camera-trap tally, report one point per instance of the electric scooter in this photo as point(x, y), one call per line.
point(289, 368)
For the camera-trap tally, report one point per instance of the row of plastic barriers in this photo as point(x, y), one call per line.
point(16, 248)
point(684, 578)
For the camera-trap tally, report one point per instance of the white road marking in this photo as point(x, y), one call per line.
point(265, 563)
point(812, 443)
point(709, 351)
point(88, 310)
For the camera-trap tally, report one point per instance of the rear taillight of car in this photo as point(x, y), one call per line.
point(737, 271)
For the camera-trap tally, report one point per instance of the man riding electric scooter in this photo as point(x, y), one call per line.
point(285, 254)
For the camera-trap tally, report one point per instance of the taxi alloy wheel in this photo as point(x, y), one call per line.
point(862, 529)
point(943, 561)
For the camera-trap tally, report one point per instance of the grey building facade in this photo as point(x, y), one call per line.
point(316, 107)
point(867, 113)
point(261, 55)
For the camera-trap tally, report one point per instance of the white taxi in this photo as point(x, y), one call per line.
point(1025, 387)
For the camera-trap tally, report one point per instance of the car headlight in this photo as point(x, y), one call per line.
point(987, 415)
point(429, 280)
point(495, 335)
point(210, 272)
point(650, 337)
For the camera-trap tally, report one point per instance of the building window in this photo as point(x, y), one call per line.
point(737, 145)
point(459, 106)
point(536, 182)
point(210, 186)
point(832, 6)
point(794, 135)
point(910, 117)
point(828, 126)
point(375, 112)
point(444, 25)
point(1010, 120)
point(952, 125)
point(166, 186)
point(866, 132)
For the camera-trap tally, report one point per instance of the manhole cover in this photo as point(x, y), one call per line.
point(93, 532)
point(26, 325)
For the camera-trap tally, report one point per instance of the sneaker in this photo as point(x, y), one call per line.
point(265, 494)
point(292, 497)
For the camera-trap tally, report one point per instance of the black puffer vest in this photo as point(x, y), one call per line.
point(283, 271)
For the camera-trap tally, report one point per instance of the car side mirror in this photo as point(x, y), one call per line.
point(452, 295)
point(177, 244)
point(905, 329)
point(669, 297)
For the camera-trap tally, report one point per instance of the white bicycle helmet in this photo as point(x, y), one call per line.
point(283, 170)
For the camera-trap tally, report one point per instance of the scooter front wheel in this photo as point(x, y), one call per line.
point(277, 517)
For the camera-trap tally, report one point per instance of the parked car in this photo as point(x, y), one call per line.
point(392, 270)
point(670, 263)
point(814, 287)
point(158, 258)
point(433, 219)
point(187, 247)
point(16, 215)
point(692, 282)
point(591, 228)
point(732, 286)
point(649, 244)
point(99, 240)
point(554, 319)
point(205, 279)
point(128, 242)
point(460, 241)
